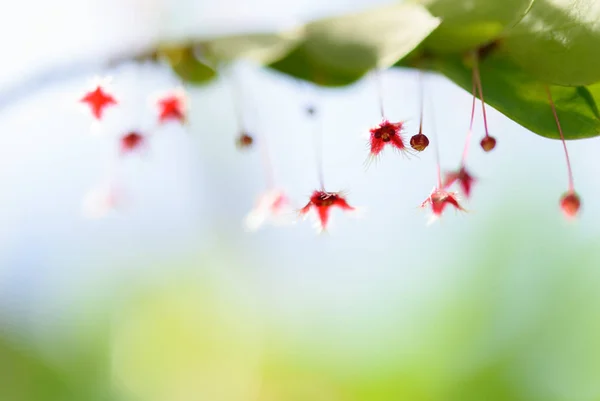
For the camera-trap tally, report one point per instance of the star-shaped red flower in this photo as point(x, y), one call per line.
point(272, 206)
point(322, 202)
point(439, 199)
point(98, 100)
point(464, 178)
point(172, 107)
point(386, 133)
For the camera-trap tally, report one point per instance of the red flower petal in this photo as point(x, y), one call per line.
point(171, 107)
point(98, 100)
point(322, 202)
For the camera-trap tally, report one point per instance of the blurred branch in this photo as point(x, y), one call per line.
point(31, 83)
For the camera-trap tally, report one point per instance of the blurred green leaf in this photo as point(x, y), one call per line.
point(26, 377)
point(468, 24)
point(261, 48)
point(184, 62)
point(558, 41)
point(339, 51)
point(523, 99)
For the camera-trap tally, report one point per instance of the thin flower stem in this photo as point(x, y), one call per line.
point(378, 80)
point(421, 101)
point(317, 130)
point(266, 161)
point(477, 77)
point(470, 132)
point(433, 132)
point(318, 138)
point(562, 138)
point(237, 96)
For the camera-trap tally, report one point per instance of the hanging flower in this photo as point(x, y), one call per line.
point(273, 206)
point(321, 202)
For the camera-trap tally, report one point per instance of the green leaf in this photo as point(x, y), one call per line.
point(468, 24)
point(339, 51)
point(558, 41)
point(261, 48)
point(186, 65)
point(523, 99)
point(25, 377)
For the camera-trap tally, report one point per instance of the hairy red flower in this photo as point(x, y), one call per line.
point(172, 107)
point(387, 133)
point(98, 100)
point(439, 199)
point(131, 142)
point(322, 202)
point(464, 178)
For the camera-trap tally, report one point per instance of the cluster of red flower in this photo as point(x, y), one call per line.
point(171, 107)
point(273, 204)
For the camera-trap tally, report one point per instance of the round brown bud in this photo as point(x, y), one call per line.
point(419, 142)
point(488, 143)
point(244, 140)
point(570, 204)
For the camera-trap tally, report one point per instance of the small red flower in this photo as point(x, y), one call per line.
point(172, 107)
point(322, 202)
point(439, 199)
point(131, 142)
point(98, 100)
point(387, 133)
point(570, 204)
point(464, 178)
point(272, 206)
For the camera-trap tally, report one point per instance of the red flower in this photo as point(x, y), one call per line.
point(98, 100)
point(272, 206)
point(172, 107)
point(322, 202)
point(465, 180)
point(384, 134)
point(439, 199)
point(132, 142)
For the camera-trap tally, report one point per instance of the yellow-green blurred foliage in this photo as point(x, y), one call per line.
point(516, 320)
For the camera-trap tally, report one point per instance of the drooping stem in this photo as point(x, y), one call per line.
point(477, 76)
point(433, 131)
point(470, 132)
point(378, 80)
point(236, 98)
point(421, 101)
point(562, 138)
point(266, 162)
point(318, 141)
point(313, 111)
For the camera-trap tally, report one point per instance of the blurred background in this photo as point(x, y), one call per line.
point(170, 299)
